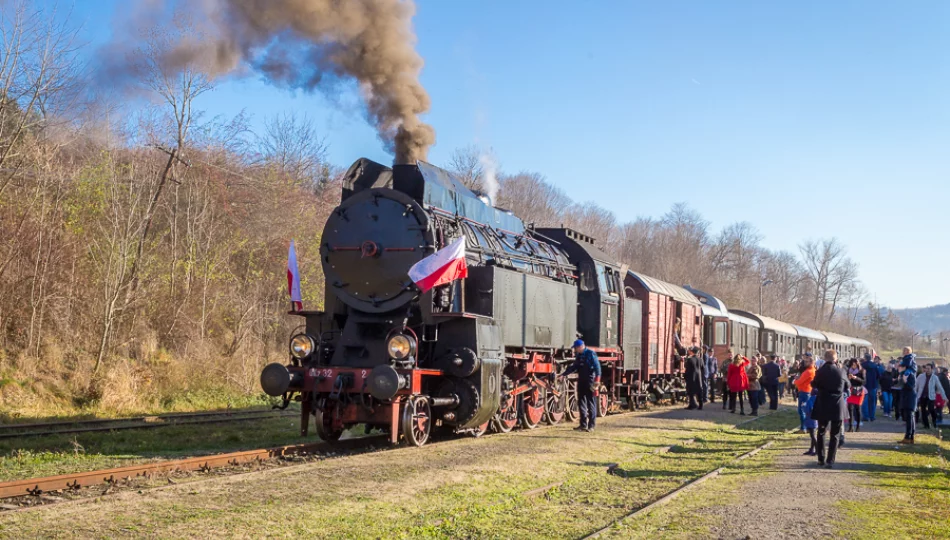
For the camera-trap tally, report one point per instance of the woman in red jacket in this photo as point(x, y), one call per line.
point(738, 382)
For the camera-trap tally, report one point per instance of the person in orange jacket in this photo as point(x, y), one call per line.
point(738, 382)
point(803, 383)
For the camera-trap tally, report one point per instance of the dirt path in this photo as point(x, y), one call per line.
point(798, 500)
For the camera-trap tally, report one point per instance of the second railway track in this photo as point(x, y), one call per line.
point(43, 429)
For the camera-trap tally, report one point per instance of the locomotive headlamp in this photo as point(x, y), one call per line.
point(301, 346)
point(401, 346)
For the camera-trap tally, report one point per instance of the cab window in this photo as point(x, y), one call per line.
point(588, 280)
point(602, 279)
point(610, 277)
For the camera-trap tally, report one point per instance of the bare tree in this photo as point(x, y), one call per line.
point(735, 251)
point(533, 199)
point(785, 293)
point(683, 245)
point(594, 220)
point(637, 245)
point(177, 87)
point(292, 145)
point(829, 270)
point(467, 164)
point(39, 69)
point(844, 286)
point(856, 297)
point(734, 257)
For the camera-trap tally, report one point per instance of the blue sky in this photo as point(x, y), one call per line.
point(809, 119)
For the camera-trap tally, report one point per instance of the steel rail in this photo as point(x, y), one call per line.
point(136, 426)
point(75, 481)
point(141, 418)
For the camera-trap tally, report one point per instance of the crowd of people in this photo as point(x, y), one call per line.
point(830, 395)
point(759, 380)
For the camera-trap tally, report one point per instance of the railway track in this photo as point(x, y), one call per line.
point(38, 487)
point(42, 429)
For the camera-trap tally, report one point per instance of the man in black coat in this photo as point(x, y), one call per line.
point(831, 406)
point(694, 379)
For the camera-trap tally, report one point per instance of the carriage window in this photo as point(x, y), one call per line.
point(721, 331)
point(588, 281)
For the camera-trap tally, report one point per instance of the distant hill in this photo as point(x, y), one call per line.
point(928, 320)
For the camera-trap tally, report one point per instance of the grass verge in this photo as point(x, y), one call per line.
point(30, 457)
point(916, 481)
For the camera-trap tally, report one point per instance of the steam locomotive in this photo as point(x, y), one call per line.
point(478, 353)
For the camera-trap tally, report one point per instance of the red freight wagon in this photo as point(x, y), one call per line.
point(663, 304)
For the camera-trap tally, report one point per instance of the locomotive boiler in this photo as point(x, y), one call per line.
point(478, 352)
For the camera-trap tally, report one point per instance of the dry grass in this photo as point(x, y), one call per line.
point(60, 383)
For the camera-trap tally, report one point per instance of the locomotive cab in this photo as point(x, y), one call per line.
point(607, 320)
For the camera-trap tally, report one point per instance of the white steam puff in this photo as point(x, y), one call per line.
point(489, 176)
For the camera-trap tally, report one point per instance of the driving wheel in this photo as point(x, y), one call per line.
point(555, 402)
point(507, 416)
point(572, 409)
point(532, 407)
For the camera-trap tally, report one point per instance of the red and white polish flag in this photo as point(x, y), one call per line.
point(293, 279)
point(443, 266)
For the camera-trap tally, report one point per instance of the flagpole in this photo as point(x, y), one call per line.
point(293, 279)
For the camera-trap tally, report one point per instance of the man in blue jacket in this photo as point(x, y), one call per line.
point(587, 367)
point(873, 371)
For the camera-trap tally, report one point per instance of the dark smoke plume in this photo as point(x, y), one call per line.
point(312, 44)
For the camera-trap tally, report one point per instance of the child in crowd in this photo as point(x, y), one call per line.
point(855, 400)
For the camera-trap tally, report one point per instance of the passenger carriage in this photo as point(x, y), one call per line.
point(809, 341)
point(744, 335)
point(843, 345)
point(775, 337)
